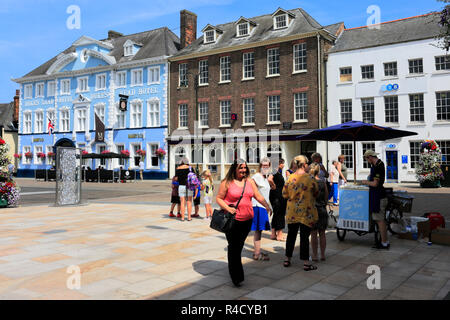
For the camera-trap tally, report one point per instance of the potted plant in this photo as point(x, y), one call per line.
point(105, 151)
point(40, 155)
point(50, 154)
point(28, 155)
point(142, 153)
point(17, 155)
point(126, 153)
point(428, 170)
point(84, 152)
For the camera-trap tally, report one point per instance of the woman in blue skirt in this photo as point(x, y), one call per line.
point(264, 182)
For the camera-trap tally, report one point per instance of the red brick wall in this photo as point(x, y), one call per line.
point(286, 84)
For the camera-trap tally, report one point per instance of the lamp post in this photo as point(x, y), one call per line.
point(196, 121)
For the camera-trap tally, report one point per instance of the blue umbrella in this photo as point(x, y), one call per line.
point(355, 131)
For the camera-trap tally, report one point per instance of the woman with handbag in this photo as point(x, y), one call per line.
point(301, 191)
point(235, 196)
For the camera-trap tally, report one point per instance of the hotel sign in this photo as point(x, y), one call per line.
point(38, 140)
point(136, 136)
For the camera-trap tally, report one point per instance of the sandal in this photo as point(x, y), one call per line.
point(261, 257)
point(309, 267)
point(287, 263)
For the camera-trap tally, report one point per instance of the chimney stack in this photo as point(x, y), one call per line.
point(16, 105)
point(188, 28)
point(114, 34)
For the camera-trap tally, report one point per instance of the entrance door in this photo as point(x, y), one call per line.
point(308, 148)
point(392, 165)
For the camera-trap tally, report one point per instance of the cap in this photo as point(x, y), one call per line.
point(370, 153)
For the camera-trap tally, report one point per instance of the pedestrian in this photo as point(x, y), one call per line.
point(11, 168)
point(208, 192)
point(197, 195)
point(323, 173)
point(321, 205)
point(141, 169)
point(278, 204)
point(175, 199)
point(292, 168)
point(301, 191)
point(237, 184)
point(185, 194)
point(342, 169)
point(260, 214)
point(334, 183)
point(377, 195)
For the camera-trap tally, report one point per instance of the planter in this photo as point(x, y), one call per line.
point(431, 184)
point(3, 203)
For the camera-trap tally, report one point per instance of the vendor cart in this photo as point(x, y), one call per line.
point(354, 213)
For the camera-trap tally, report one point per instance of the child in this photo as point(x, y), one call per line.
point(197, 201)
point(175, 200)
point(208, 188)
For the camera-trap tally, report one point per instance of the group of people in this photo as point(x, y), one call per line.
point(300, 200)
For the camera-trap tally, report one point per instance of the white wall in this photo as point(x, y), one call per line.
point(430, 82)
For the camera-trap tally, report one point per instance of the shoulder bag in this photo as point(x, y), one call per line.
point(222, 220)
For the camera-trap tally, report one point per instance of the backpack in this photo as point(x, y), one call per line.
point(192, 180)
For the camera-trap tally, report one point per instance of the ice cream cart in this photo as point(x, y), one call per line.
point(354, 212)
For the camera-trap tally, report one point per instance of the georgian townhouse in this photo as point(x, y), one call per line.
point(85, 81)
point(247, 89)
point(392, 75)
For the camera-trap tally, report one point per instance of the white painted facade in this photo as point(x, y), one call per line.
point(427, 83)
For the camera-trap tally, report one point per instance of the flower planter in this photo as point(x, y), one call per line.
point(431, 184)
point(3, 203)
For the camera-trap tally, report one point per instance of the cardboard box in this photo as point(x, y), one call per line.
point(423, 231)
point(441, 236)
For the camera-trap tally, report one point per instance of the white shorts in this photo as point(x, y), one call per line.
point(207, 199)
point(183, 191)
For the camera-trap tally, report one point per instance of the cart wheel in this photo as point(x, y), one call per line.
point(377, 234)
point(341, 234)
point(392, 219)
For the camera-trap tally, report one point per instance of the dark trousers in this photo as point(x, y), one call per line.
point(305, 231)
point(236, 239)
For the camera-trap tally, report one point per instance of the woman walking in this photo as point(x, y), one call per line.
point(321, 205)
point(236, 184)
point(260, 215)
point(278, 204)
point(300, 190)
point(185, 194)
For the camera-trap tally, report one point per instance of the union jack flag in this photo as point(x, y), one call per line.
point(50, 127)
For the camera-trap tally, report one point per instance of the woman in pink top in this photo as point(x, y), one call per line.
point(230, 192)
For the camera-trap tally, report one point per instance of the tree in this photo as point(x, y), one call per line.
point(444, 35)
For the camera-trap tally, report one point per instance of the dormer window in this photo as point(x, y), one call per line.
point(210, 36)
point(243, 29)
point(128, 50)
point(281, 21)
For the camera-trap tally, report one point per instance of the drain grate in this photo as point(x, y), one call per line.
point(55, 231)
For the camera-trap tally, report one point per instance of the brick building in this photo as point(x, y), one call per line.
point(247, 89)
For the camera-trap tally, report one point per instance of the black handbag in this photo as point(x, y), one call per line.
point(222, 220)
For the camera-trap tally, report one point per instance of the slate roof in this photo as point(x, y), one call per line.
point(155, 43)
point(7, 116)
point(303, 23)
point(391, 32)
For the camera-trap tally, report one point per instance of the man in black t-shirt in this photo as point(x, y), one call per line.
point(377, 195)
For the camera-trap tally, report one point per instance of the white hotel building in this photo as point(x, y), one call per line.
point(393, 76)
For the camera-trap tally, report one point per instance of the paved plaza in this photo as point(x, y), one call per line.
point(128, 248)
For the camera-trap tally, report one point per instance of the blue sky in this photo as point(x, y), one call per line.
point(33, 31)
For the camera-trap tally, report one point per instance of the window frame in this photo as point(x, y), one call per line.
point(151, 155)
point(64, 110)
point(27, 121)
point(205, 115)
point(368, 102)
point(118, 78)
point(348, 111)
point(49, 85)
point(248, 65)
point(418, 106)
point(150, 74)
point(97, 77)
point(185, 74)
point(28, 91)
point(134, 79)
point(81, 111)
point(419, 66)
point(225, 104)
point(341, 74)
point(445, 107)
point(225, 68)
point(273, 62)
point(38, 123)
point(101, 116)
point(136, 114)
point(368, 74)
point(274, 106)
point(69, 83)
point(300, 59)
point(303, 109)
point(153, 113)
point(120, 116)
point(388, 69)
point(246, 112)
point(26, 160)
point(276, 22)
point(180, 115)
point(238, 29)
point(208, 34)
point(80, 80)
point(348, 161)
point(445, 63)
point(40, 90)
point(203, 72)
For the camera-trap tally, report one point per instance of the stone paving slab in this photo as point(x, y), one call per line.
point(135, 251)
